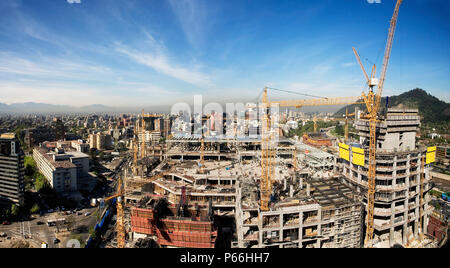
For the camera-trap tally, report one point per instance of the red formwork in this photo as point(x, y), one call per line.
point(174, 232)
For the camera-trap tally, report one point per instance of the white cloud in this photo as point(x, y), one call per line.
point(74, 1)
point(157, 59)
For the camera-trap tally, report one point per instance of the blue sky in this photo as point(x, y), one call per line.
point(157, 52)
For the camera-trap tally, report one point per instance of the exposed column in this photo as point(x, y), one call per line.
point(391, 230)
point(319, 226)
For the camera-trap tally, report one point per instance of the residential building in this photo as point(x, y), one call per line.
point(61, 169)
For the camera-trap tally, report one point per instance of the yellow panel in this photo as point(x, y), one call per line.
point(357, 150)
point(344, 152)
point(343, 145)
point(431, 157)
point(358, 156)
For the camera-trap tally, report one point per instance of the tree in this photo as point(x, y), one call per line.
point(41, 182)
point(339, 130)
point(35, 209)
point(5, 213)
point(30, 166)
point(14, 210)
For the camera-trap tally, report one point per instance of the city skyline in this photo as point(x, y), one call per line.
point(126, 53)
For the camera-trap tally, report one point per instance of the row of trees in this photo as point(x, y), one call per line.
point(309, 127)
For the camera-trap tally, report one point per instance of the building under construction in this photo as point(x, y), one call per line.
point(305, 211)
point(402, 176)
point(318, 198)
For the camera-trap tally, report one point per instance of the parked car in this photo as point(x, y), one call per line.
point(6, 223)
point(56, 241)
point(39, 223)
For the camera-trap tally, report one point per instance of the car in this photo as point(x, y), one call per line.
point(87, 214)
point(3, 234)
point(39, 223)
point(6, 223)
point(56, 241)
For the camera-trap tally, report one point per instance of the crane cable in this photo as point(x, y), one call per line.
point(298, 93)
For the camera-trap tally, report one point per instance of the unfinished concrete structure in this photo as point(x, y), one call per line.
point(398, 160)
point(318, 199)
point(315, 210)
point(309, 213)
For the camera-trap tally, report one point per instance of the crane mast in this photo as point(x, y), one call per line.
point(347, 115)
point(373, 102)
point(143, 152)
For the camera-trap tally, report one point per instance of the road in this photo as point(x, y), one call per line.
point(44, 233)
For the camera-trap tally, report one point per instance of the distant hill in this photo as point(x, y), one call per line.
point(431, 109)
point(33, 107)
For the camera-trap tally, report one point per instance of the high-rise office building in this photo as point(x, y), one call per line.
point(12, 170)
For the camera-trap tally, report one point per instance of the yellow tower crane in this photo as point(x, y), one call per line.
point(347, 115)
point(372, 102)
point(315, 123)
point(120, 228)
point(143, 151)
point(123, 188)
point(202, 148)
point(135, 156)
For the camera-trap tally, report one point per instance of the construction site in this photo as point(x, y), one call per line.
point(249, 187)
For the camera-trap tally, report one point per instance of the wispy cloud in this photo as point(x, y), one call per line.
point(47, 67)
point(74, 1)
point(193, 17)
point(348, 64)
point(157, 59)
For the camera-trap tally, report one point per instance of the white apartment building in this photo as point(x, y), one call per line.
point(61, 169)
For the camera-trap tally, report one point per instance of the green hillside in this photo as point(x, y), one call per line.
point(433, 111)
